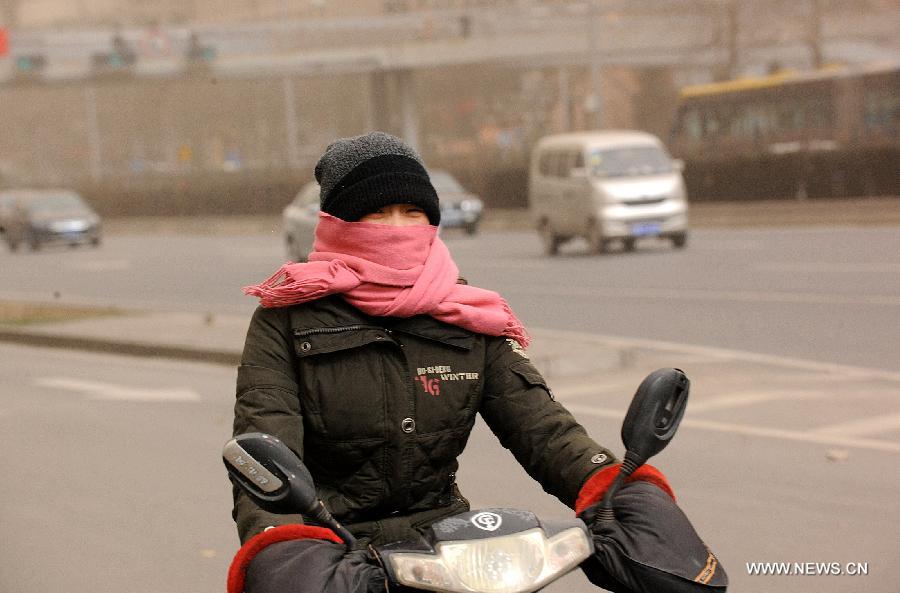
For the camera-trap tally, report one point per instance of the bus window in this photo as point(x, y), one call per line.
point(691, 127)
point(710, 124)
point(742, 124)
point(761, 120)
point(820, 113)
point(792, 114)
point(882, 112)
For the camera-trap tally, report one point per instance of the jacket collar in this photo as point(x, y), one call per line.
point(430, 328)
point(334, 312)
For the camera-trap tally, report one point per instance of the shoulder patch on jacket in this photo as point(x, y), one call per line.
point(517, 348)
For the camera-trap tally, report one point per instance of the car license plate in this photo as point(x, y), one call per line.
point(643, 229)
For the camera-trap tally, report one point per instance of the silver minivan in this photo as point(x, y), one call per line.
point(609, 186)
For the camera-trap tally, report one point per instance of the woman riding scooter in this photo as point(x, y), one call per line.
point(371, 362)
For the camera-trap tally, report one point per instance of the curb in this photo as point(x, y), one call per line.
point(880, 211)
point(223, 357)
point(555, 362)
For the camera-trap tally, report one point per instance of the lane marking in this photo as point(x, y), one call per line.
point(566, 394)
point(756, 431)
point(843, 435)
point(113, 392)
point(861, 427)
point(735, 400)
point(750, 398)
point(593, 388)
point(819, 267)
point(111, 265)
point(696, 294)
point(712, 244)
point(720, 354)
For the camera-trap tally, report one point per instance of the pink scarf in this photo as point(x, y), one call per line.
point(389, 271)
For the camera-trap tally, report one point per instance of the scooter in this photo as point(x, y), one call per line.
point(493, 550)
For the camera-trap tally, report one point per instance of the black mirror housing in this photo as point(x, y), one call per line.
point(271, 473)
point(277, 479)
point(655, 413)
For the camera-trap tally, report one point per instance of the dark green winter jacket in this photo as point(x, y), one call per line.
point(380, 408)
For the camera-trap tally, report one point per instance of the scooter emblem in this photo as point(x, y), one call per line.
point(487, 521)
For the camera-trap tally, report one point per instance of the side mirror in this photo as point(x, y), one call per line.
point(655, 413)
point(579, 173)
point(276, 478)
point(653, 417)
point(270, 473)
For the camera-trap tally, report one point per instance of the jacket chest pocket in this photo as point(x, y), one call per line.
point(344, 378)
point(447, 382)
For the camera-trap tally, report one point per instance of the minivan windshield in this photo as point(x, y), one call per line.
point(445, 183)
point(629, 161)
point(55, 202)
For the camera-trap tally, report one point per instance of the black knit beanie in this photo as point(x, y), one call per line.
point(359, 175)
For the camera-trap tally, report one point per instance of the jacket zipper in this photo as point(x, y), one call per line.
point(331, 330)
point(405, 468)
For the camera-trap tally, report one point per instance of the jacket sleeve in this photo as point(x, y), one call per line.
point(266, 401)
point(543, 436)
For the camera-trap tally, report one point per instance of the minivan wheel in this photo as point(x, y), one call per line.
point(596, 242)
point(679, 241)
point(550, 239)
point(628, 243)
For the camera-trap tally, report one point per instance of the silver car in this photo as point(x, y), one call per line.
point(300, 218)
point(459, 209)
point(40, 217)
point(8, 207)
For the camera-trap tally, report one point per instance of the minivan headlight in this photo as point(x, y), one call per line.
point(69, 226)
point(471, 205)
point(519, 563)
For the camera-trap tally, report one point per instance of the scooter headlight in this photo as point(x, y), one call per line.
point(517, 563)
